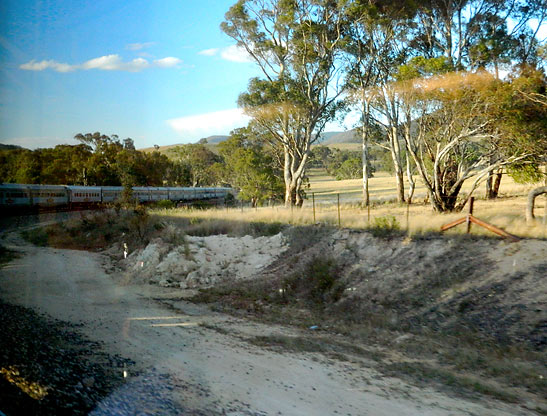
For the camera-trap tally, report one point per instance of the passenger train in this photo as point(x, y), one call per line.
point(14, 196)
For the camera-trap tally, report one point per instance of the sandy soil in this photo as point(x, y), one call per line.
point(200, 359)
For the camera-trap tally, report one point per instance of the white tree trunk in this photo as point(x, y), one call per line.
point(531, 200)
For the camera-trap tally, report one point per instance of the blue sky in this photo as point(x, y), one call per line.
point(158, 71)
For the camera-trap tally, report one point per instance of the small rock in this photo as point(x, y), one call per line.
point(402, 338)
point(88, 381)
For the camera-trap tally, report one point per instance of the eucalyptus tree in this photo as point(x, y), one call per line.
point(378, 46)
point(369, 52)
point(250, 167)
point(478, 33)
point(466, 125)
point(297, 45)
point(199, 161)
point(447, 35)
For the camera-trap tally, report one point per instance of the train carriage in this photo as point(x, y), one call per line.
point(13, 195)
point(158, 194)
point(48, 196)
point(85, 195)
point(111, 193)
point(141, 193)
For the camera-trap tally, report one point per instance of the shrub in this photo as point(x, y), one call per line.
point(385, 226)
point(164, 204)
point(317, 283)
point(266, 229)
point(139, 221)
point(37, 236)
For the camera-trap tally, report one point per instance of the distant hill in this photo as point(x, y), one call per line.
point(9, 147)
point(327, 138)
point(350, 136)
point(215, 139)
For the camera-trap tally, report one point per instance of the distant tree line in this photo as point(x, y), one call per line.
point(347, 164)
point(99, 160)
point(243, 161)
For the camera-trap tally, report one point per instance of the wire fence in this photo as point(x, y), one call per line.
point(347, 211)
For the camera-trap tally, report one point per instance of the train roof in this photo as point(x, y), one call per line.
point(31, 186)
point(80, 187)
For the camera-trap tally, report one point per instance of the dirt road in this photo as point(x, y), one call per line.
point(202, 361)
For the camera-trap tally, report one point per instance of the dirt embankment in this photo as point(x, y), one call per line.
point(488, 286)
point(459, 319)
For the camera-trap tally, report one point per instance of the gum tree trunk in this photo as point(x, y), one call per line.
point(531, 200)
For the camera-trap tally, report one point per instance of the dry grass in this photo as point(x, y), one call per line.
point(506, 213)
point(383, 188)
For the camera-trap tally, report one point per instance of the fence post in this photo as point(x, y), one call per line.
point(545, 208)
point(407, 218)
point(468, 219)
point(313, 204)
point(338, 210)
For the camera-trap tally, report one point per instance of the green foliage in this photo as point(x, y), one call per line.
point(296, 45)
point(421, 67)
point(319, 156)
point(165, 204)
point(350, 169)
point(346, 164)
point(526, 173)
point(201, 165)
point(100, 160)
point(522, 118)
point(37, 236)
point(385, 226)
point(317, 283)
point(250, 166)
point(128, 198)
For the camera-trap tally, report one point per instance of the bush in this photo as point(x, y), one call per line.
point(266, 229)
point(139, 221)
point(164, 204)
point(318, 282)
point(7, 255)
point(37, 236)
point(385, 226)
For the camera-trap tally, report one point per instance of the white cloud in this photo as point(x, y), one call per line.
point(208, 124)
point(235, 53)
point(168, 62)
point(40, 66)
point(115, 63)
point(139, 46)
point(209, 52)
point(231, 53)
point(111, 62)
